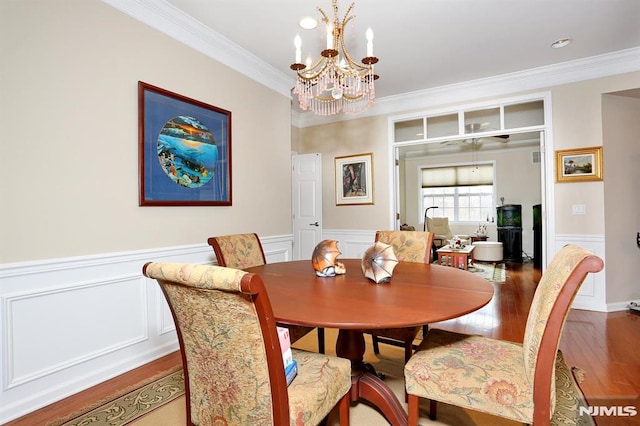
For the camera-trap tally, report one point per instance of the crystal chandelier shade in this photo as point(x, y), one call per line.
point(336, 83)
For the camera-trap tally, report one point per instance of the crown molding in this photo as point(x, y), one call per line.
point(613, 63)
point(166, 18)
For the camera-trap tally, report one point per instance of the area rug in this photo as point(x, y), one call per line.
point(131, 404)
point(162, 403)
point(495, 272)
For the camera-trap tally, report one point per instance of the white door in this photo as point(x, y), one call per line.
point(307, 204)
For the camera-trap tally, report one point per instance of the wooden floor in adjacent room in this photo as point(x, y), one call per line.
point(601, 344)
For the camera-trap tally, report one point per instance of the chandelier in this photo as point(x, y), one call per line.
point(335, 83)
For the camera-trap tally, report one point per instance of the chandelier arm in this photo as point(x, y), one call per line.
point(348, 12)
point(346, 21)
point(313, 71)
point(325, 18)
point(351, 62)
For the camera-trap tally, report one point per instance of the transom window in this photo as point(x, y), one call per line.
point(463, 193)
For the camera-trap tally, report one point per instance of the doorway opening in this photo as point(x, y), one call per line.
point(510, 135)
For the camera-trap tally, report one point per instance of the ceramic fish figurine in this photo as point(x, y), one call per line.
point(324, 259)
point(378, 262)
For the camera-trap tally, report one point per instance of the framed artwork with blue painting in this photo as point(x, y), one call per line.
point(184, 150)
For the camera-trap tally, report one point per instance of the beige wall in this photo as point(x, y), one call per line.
point(621, 128)
point(295, 139)
point(577, 121)
point(351, 138)
point(69, 179)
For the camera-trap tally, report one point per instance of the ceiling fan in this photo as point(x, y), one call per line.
point(476, 142)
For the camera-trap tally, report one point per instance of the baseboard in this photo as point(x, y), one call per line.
point(623, 306)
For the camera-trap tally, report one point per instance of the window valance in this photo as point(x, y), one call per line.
point(469, 175)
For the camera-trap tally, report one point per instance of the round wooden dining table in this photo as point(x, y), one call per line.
point(417, 294)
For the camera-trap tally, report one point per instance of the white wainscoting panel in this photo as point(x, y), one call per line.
point(277, 249)
point(352, 243)
point(592, 295)
point(103, 316)
point(69, 324)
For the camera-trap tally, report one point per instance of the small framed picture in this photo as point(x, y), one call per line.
point(184, 150)
point(579, 165)
point(354, 179)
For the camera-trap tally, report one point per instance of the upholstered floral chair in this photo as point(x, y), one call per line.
point(233, 366)
point(511, 380)
point(409, 246)
point(241, 251)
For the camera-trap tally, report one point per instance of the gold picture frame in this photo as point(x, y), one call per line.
point(579, 165)
point(354, 179)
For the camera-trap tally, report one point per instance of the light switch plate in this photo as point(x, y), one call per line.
point(578, 209)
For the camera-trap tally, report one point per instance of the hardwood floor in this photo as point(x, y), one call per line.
point(601, 344)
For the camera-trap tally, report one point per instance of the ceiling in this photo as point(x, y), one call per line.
point(421, 44)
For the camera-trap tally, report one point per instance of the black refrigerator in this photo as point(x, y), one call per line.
point(510, 231)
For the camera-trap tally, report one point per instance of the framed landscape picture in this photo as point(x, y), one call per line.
point(354, 179)
point(184, 149)
point(579, 165)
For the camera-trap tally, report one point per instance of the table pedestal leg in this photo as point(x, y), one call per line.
point(364, 382)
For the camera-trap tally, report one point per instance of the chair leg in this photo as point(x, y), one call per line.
point(376, 347)
point(425, 330)
point(344, 405)
point(413, 410)
point(433, 407)
point(320, 340)
point(340, 410)
point(408, 350)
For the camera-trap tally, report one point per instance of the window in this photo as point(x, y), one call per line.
point(462, 193)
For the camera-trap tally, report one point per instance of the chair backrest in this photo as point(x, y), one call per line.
point(238, 251)
point(410, 246)
point(556, 290)
point(232, 362)
point(439, 226)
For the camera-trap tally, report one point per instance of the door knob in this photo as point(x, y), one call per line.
point(314, 224)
